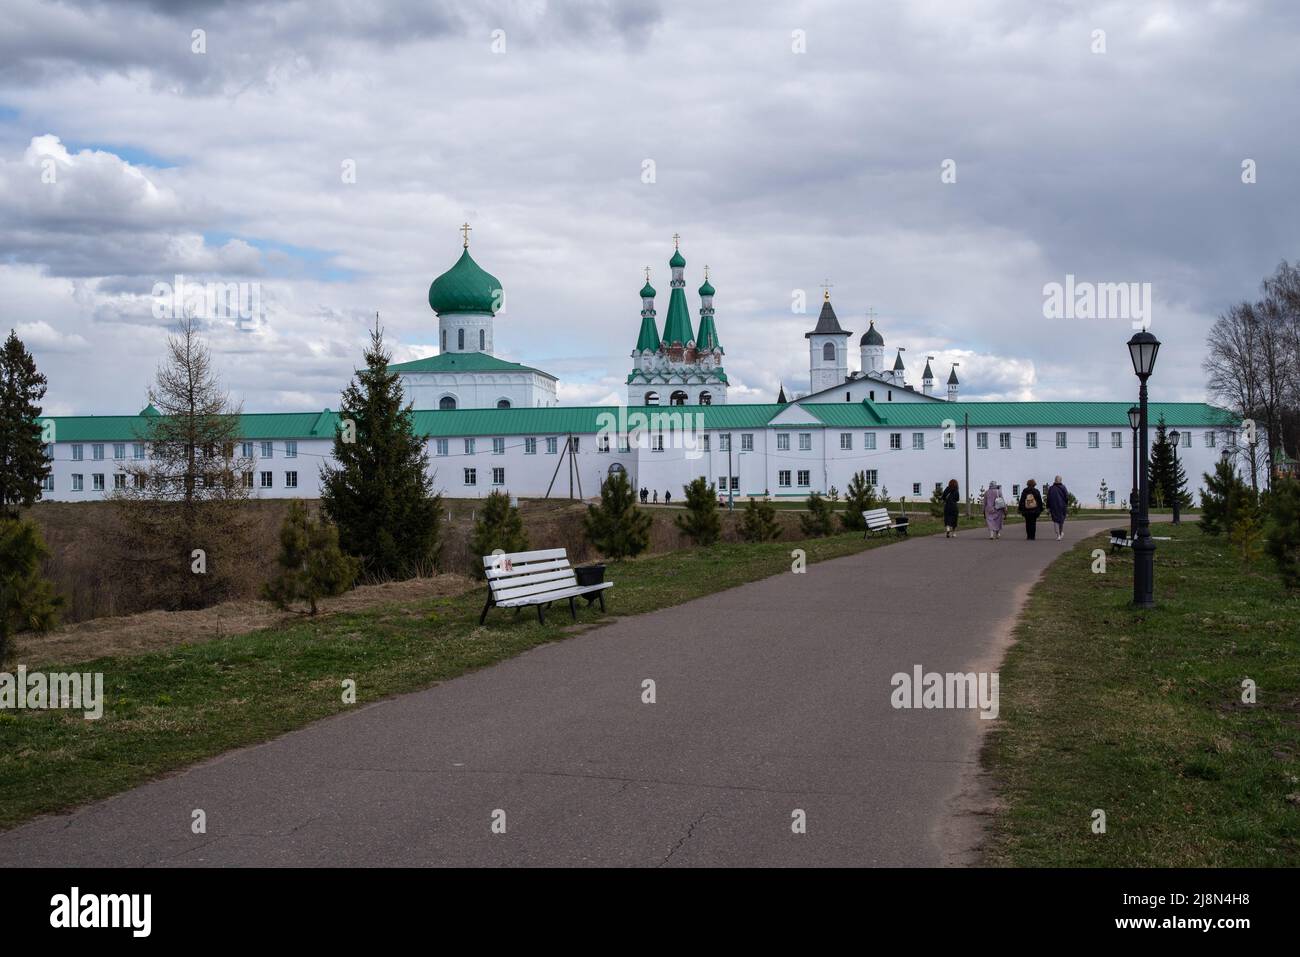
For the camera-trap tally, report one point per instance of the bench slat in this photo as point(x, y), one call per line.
point(495, 574)
point(535, 588)
point(573, 592)
point(516, 557)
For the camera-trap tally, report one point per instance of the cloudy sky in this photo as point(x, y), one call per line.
point(790, 145)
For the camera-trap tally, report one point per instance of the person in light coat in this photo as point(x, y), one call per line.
point(995, 509)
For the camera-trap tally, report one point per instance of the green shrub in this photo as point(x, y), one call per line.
point(701, 522)
point(1283, 538)
point(616, 527)
point(758, 522)
point(497, 526)
point(858, 498)
point(819, 520)
point(311, 563)
point(28, 602)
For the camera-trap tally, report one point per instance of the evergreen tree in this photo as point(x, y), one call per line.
point(758, 521)
point(858, 498)
point(1283, 539)
point(701, 521)
point(819, 519)
point(498, 526)
point(23, 465)
point(380, 495)
point(616, 527)
point(27, 601)
point(311, 563)
point(1223, 494)
point(936, 501)
point(1166, 477)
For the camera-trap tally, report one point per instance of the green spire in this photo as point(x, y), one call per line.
point(707, 340)
point(677, 327)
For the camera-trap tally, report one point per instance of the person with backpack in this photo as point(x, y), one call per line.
point(951, 497)
point(995, 509)
point(1031, 506)
point(1058, 504)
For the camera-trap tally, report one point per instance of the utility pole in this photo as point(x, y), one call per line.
point(966, 418)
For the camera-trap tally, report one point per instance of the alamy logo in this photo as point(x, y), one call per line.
point(237, 301)
point(39, 691)
point(1098, 300)
point(930, 689)
point(103, 910)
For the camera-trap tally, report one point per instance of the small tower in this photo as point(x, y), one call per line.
point(828, 349)
point(899, 373)
point(780, 396)
point(952, 383)
point(927, 378)
point(465, 298)
point(647, 342)
point(871, 347)
point(678, 336)
point(708, 349)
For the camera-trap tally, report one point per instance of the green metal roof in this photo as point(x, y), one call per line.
point(932, 414)
point(647, 291)
point(678, 261)
point(465, 287)
point(464, 362)
point(872, 337)
point(677, 327)
point(707, 340)
point(649, 335)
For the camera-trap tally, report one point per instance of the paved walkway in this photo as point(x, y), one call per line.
point(771, 697)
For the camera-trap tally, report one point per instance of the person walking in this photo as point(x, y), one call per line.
point(995, 509)
point(668, 496)
point(1058, 504)
point(1031, 506)
point(951, 497)
point(656, 501)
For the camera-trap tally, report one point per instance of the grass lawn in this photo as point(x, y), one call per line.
point(167, 710)
point(1140, 714)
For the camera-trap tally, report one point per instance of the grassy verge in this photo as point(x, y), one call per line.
point(165, 711)
point(1140, 714)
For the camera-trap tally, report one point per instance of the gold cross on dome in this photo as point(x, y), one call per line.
point(465, 230)
point(647, 273)
point(706, 272)
point(676, 240)
point(827, 285)
point(871, 314)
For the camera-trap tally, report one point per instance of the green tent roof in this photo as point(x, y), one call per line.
point(677, 327)
point(464, 362)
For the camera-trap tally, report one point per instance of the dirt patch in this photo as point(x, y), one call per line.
point(158, 630)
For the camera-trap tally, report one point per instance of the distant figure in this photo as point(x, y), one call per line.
point(1058, 503)
point(951, 497)
point(656, 497)
point(995, 509)
point(668, 496)
point(1031, 506)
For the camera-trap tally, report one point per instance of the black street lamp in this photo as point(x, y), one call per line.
point(1134, 422)
point(1175, 436)
point(1142, 349)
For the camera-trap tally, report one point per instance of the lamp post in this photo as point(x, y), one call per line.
point(1175, 436)
point(1142, 349)
point(1134, 423)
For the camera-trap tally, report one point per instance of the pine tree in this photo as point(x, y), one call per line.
point(23, 465)
point(380, 495)
point(819, 519)
point(936, 501)
point(701, 522)
point(858, 498)
point(311, 563)
point(758, 521)
point(27, 601)
point(1283, 539)
point(498, 526)
point(616, 527)
point(1222, 495)
point(1166, 477)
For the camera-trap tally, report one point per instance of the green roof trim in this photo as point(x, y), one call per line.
point(464, 362)
point(465, 288)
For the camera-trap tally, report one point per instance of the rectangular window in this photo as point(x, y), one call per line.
point(290, 479)
point(469, 446)
point(918, 441)
point(602, 443)
point(805, 441)
point(499, 446)
point(268, 450)
point(805, 477)
point(846, 441)
point(1232, 440)
point(1110, 497)
point(471, 476)
point(657, 445)
point(1209, 440)
point(1031, 440)
point(1094, 440)
point(119, 482)
point(724, 442)
point(735, 483)
point(868, 440)
point(1004, 440)
point(551, 447)
point(439, 446)
point(530, 446)
point(1060, 440)
point(247, 479)
point(783, 478)
point(245, 450)
point(498, 476)
point(77, 481)
point(916, 488)
point(1187, 438)
point(747, 442)
point(872, 478)
point(705, 437)
point(97, 451)
point(291, 449)
point(1015, 491)
point(97, 482)
point(895, 440)
point(783, 441)
point(267, 479)
point(119, 451)
point(49, 451)
point(575, 443)
point(47, 484)
point(981, 440)
point(949, 439)
point(76, 452)
point(1117, 440)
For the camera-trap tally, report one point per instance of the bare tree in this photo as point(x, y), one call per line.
point(1233, 369)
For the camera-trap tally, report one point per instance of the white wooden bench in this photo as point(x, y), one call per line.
point(535, 578)
point(879, 520)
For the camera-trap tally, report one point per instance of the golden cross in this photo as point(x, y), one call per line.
point(871, 314)
point(826, 289)
point(465, 229)
point(706, 272)
point(676, 240)
point(647, 273)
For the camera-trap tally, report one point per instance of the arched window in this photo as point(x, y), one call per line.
point(447, 402)
point(706, 399)
point(482, 341)
point(503, 403)
point(677, 398)
point(444, 340)
point(460, 339)
point(828, 352)
point(652, 398)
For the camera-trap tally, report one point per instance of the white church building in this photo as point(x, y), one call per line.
point(492, 425)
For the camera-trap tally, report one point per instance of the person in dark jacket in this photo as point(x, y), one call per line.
point(1031, 506)
point(951, 497)
point(1058, 504)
